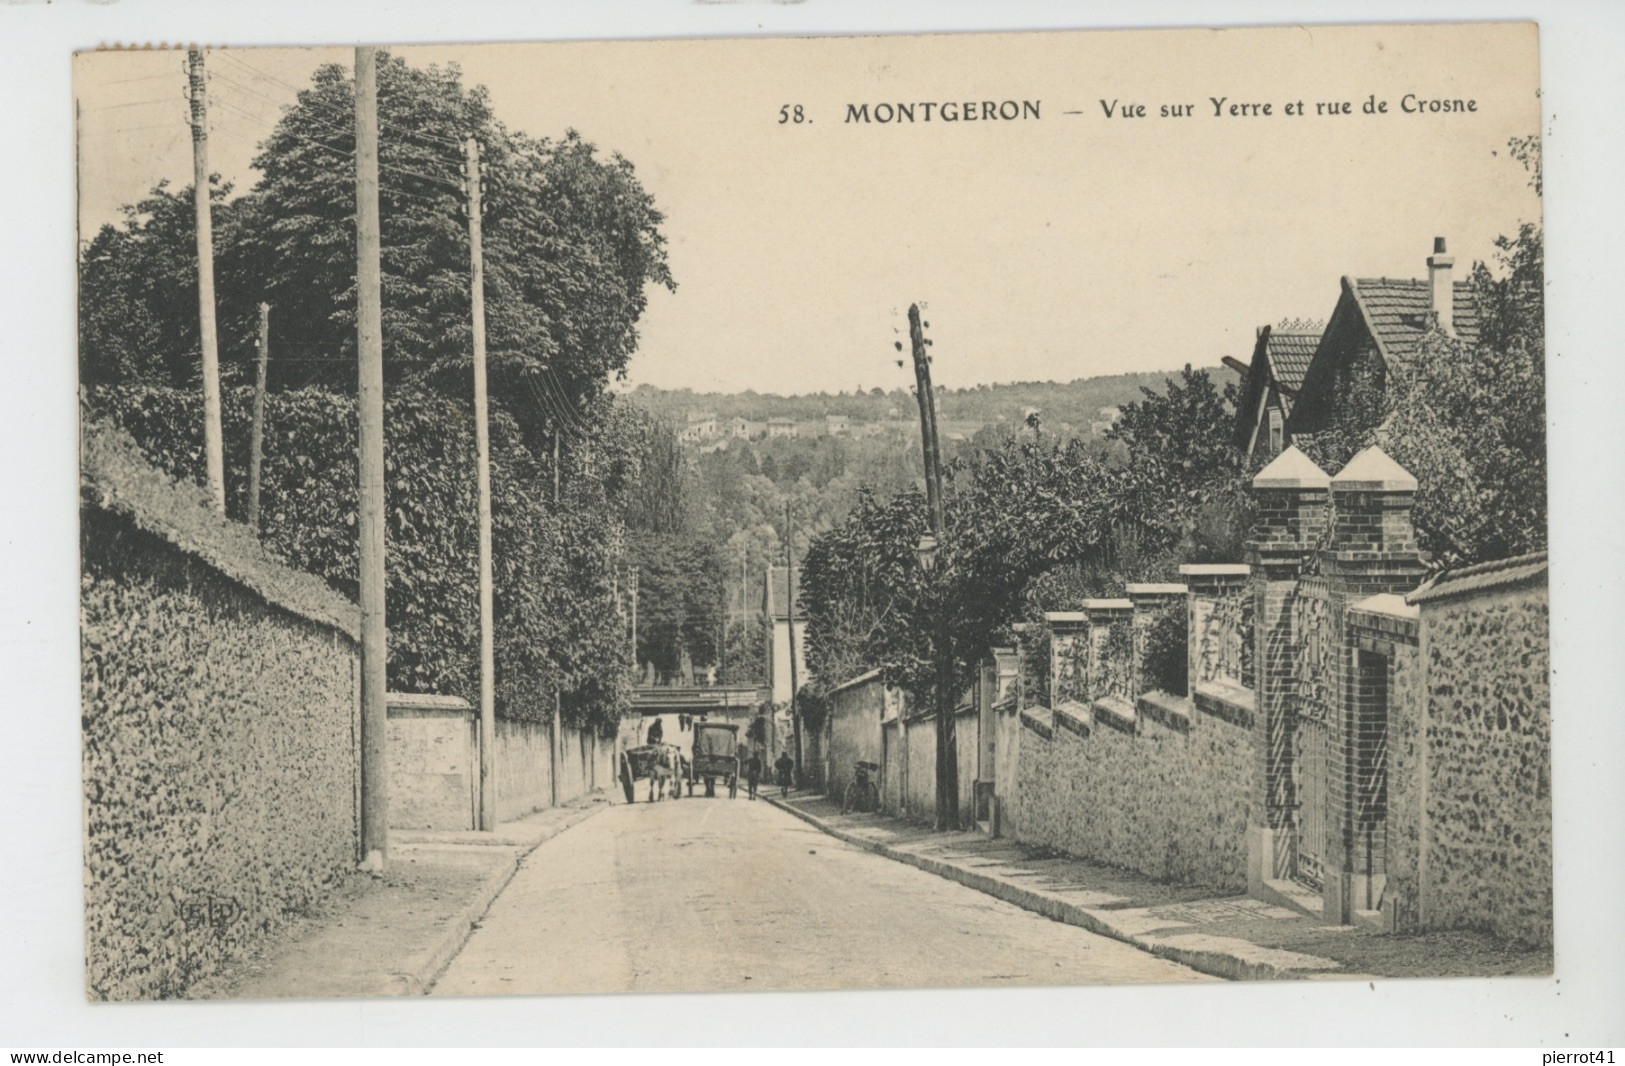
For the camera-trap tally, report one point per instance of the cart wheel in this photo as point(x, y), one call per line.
point(626, 781)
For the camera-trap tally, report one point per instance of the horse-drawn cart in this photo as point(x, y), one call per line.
point(715, 756)
point(661, 764)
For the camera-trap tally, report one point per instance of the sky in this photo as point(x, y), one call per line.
point(1066, 246)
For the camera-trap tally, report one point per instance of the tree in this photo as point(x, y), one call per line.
point(571, 240)
point(1469, 419)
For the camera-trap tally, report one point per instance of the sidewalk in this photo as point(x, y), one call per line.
point(392, 935)
point(1231, 936)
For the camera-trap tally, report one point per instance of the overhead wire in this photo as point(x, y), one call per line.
point(446, 184)
point(421, 135)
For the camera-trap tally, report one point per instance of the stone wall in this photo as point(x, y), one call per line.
point(1485, 850)
point(920, 779)
point(894, 768)
point(220, 715)
point(855, 712)
point(1168, 799)
point(524, 768)
point(434, 778)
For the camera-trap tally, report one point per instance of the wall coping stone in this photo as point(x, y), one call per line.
point(1215, 569)
point(1481, 577)
point(1226, 701)
point(1291, 470)
point(1037, 725)
point(1152, 589)
point(1388, 603)
point(1166, 709)
point(413, 704)
point(1091, 607)
point(114, 477)
point(862, 678)
point(1116, 712)
point(1062, 619)
point(1074, 717)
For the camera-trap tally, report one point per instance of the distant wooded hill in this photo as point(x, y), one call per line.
point(1063, 407)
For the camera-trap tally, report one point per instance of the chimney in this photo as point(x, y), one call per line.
point(1441, 293)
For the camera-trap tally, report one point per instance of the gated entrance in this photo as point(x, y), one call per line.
point(1312, 765)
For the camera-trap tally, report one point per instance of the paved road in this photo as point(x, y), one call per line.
point(721, 895)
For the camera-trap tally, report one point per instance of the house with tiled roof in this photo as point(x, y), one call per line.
point(1271, 384)
point(1374, 332)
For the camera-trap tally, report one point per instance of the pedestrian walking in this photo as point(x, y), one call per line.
point(753, 770)
point(785, 767)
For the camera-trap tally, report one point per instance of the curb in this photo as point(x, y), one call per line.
point(1207, 958)
point(422, 973)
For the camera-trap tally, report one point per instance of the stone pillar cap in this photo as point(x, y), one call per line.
point(1108, 605)
point(1215, 569)
point(1155, 589)
point(1291, 470)
point(1064, 617)
point(1373, 470)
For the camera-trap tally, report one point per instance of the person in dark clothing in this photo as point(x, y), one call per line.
point(657, 732)
point(785, 767)
point(753, 771)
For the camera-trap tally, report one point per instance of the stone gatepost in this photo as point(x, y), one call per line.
point(1156, 607)
point(1292, 494)
point(1372, 550)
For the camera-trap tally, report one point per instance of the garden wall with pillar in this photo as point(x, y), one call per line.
point(1349, 741)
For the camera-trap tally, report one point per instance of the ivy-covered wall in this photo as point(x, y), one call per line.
point(220, 704)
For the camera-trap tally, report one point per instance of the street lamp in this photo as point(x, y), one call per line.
point(926, 552)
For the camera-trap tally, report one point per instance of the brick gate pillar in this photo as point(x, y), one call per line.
point(1292, 497)
point(1372, 549)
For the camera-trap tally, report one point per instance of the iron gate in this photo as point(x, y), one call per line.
point(1311, 765)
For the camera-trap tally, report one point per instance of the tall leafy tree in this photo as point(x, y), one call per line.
point(571, 241)
point(1469, 420)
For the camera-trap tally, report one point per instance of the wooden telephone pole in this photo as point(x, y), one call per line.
point(213, 449)
point(482, 448)
point(256, 440)
point(790, 613)
point(370, 404)
point(947, 793)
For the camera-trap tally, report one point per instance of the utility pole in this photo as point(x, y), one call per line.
point(370, 404)
point(482, 461)
point(947, 792)
point(635, 664)
point(213, 448)
point(256, 446)
point(790, 612)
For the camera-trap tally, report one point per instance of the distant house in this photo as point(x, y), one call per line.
point(836, 425)
point(1107, 418)
point(1374, 331)
point(739, 428)
point(779, 602)
point(1272, 381)
point(702, 425)
point(782, 427)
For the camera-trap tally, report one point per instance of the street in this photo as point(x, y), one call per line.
point(719, 895)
